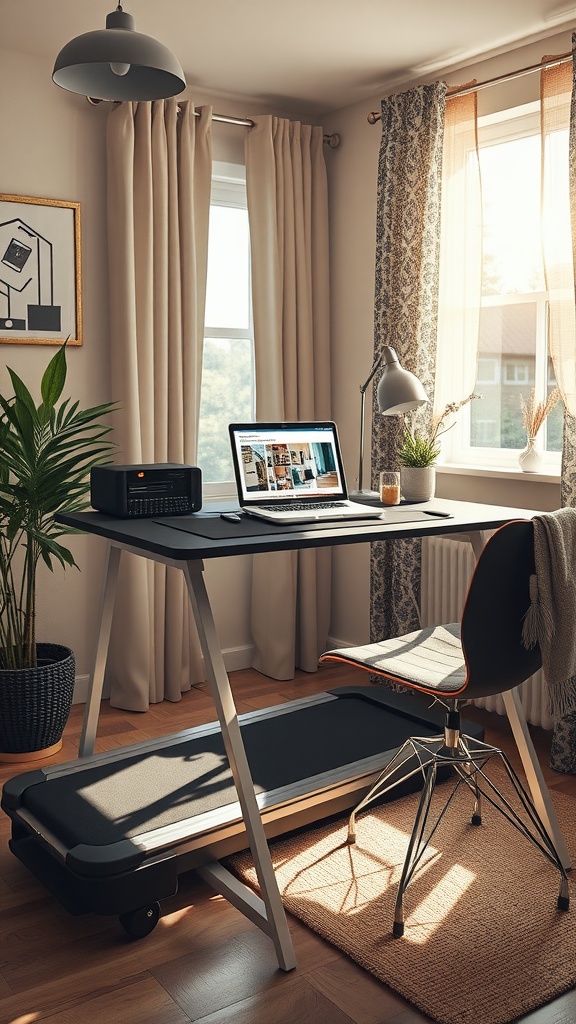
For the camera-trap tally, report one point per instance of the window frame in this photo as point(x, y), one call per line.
point(229, 189)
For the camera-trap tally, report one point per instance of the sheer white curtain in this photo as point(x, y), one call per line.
point(556, 97)
point(288, 215)
point(159, 180)
point(460, 285)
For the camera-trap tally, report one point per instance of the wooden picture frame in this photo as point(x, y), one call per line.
point(40, 271)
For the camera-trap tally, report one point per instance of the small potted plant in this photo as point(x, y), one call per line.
point(47, 452)
point(417, 457)
point(419, 452)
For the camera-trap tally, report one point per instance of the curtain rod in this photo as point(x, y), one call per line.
point(331, 140)
point(462, 90)
point(244, 122)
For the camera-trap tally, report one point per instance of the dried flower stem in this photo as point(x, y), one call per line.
point(421, 448)
point(451, 408)
point(534, 413)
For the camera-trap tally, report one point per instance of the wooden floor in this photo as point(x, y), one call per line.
point(204, 961)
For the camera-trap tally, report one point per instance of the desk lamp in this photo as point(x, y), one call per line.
point(399, 391)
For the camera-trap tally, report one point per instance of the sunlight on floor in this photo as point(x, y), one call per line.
point(347, 879)
point(427, 917)
point(169, 920)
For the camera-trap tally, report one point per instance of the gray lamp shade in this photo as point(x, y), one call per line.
point(399, 390)
point(117, 63)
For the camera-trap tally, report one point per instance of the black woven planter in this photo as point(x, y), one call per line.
point(35, 702)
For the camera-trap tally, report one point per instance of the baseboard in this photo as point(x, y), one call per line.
point(236, 658)
point(334, 644)
point(81, 684)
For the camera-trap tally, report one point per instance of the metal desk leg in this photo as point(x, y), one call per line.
point(268, 912)
point(92, 709)
point(477, 540)
point(536, 782)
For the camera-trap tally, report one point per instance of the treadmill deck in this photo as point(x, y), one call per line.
point(94, 828)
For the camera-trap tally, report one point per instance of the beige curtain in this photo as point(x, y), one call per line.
point(159, 167)
point(288, 215)
point(460, 284)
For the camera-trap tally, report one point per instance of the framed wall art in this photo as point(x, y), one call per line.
point(40, 271)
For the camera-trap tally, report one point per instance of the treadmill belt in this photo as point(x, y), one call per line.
point(106, 803)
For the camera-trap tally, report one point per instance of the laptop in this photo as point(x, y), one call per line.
point(292, 473)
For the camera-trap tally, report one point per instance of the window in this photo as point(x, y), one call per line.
point(228, 363)
point(512, 356)
point(488, 370)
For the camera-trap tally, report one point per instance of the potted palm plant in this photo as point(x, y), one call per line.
point(46, 453)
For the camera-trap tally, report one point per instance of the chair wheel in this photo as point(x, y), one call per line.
point(563, 903)
point(476, 819)
point(139, 923)
point(398, 929)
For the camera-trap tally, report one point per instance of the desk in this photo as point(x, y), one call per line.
point(185, 542)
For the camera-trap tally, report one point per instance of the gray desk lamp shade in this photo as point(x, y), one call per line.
point(398, 391)
point(117, 63)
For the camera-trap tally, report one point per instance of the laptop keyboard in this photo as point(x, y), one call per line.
point(305, 506)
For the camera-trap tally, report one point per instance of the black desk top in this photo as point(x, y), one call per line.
point(205, 535)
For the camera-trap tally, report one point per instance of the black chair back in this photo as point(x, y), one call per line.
point(497, 601)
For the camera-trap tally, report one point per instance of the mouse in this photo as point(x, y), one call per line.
point(232, 517)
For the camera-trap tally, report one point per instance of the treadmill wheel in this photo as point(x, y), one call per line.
point(139, 923)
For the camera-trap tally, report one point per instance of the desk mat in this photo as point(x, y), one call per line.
point(215, 528)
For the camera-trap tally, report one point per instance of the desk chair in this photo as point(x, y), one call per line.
point(480, 656)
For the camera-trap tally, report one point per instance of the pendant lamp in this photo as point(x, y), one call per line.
point(117, 63)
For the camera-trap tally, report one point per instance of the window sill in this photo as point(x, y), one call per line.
point(548, 476)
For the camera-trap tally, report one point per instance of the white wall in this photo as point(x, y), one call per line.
point(352, 173)
point(54, 147)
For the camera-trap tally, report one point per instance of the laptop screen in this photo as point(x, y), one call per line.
point(275, 462)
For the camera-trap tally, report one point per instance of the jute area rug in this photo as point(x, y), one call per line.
point(484, 942)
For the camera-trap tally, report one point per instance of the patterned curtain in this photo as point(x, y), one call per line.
point(405, 313)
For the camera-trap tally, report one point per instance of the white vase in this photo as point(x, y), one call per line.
point(530, 459)
point(417, 483)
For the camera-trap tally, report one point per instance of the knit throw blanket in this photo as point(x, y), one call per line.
point(551, 618)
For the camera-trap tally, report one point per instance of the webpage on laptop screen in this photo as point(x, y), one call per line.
point(288, 463)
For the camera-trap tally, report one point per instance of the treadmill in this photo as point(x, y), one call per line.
point(110, 833)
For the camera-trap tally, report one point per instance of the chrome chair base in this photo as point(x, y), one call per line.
point(467, 759)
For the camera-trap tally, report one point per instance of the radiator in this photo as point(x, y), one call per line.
point(447, 567)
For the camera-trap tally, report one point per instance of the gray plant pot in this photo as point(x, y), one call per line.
point(418, 483)
point(35, 703)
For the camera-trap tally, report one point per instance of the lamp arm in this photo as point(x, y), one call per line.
point(375, 367)
point(364, 387)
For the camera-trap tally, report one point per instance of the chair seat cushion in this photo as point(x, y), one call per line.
point(430, 659)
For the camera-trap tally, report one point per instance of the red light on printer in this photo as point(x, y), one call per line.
point(140, 475)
